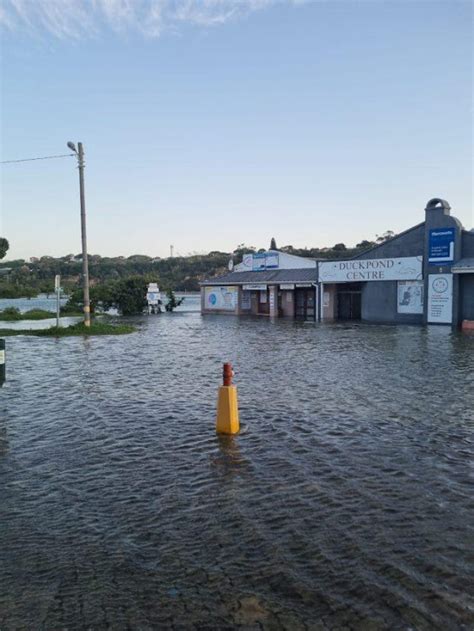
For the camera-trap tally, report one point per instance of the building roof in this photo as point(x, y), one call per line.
point(308, 275)
point(464, 266)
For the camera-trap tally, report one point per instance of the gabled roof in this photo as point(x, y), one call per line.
point(308, 275)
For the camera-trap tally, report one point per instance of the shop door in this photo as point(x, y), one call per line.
point(305, 303)
point(263, 302)
point(349, 303)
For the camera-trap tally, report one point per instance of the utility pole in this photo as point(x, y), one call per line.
point(85, 264)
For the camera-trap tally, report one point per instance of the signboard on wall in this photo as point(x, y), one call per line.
point(264, 260)
point(441, 245)
point(221, 298)
point(410, 296)
point(272, 260)
point(259, 261)
point(255, 287)
point(406, 268)
point(440, 298)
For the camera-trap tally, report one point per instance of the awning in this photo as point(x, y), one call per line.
point(464, 266)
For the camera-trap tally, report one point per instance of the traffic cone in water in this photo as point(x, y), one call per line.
point(227, 406)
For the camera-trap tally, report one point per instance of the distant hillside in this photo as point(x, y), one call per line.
point(180, 273)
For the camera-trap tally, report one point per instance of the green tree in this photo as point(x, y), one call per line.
point(365, 245)
point(101, 299)
point(386, 236)
point(273, 244)
point(4, 245)
point(129, 295)
point(173, 302)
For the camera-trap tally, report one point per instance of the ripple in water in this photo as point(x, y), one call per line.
point(345, 502)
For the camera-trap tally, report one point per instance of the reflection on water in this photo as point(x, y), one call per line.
point(345, 502)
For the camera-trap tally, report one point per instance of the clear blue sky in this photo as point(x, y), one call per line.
point(214, 122)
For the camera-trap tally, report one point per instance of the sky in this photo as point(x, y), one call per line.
point(211, 123)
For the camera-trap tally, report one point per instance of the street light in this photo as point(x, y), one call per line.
point(85, 264)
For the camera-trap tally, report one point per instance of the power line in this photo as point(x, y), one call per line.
point(63, 155)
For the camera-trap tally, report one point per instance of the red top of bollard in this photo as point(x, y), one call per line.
point(227, 374)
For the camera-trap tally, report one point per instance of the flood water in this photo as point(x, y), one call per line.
point(346, 502)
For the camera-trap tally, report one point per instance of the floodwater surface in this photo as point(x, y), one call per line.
point(344, 503)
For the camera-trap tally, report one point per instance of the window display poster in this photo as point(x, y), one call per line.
point(221, 298)
point(440, 298)
point(410, 296)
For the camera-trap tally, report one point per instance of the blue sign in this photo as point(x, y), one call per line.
point(441, 246)
point(259, 261)
point(265, 260)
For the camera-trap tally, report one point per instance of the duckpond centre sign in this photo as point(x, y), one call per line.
point(405, 268)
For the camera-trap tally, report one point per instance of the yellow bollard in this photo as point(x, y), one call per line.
point(227, 406)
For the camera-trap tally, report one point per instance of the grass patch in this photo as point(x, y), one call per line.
point(12, 314)
point(96, 328)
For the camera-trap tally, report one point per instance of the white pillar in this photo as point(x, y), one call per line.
point(321, 300)
point(273, 296)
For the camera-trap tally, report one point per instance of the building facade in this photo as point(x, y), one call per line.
point(424, 275)
point(270, 283)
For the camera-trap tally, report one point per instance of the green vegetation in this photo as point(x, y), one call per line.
point(128, 296)
point(22, 278)
point(4, 245)
point(96, 328)
point(173, 302)
point(30, 278)
point(7, 290)
point(12, 314)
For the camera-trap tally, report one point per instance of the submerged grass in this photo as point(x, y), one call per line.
point(96, 328)
point(12, 314)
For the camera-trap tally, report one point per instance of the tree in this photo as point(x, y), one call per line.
point(273, 244)
point(4, 245)
point(102, 298)
point(365, 245)
point(173, 302)
point(386, 236)
point(339, 247)
point(129, 295)
point(244, 249)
